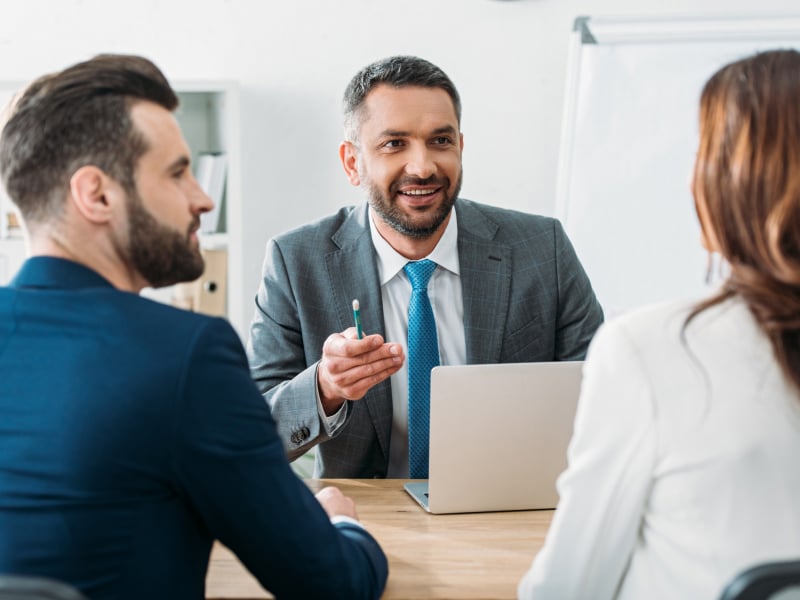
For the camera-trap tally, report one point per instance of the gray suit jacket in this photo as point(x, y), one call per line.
point(526, 299)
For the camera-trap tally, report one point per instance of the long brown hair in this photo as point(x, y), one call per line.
point(747, 182)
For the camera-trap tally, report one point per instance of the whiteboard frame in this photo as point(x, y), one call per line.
point(634, 30)
point(620, 33)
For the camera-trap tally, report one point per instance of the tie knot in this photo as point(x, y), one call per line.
point(419, 273)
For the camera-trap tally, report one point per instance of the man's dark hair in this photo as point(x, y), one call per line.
point(76, 117)
point(396, 71)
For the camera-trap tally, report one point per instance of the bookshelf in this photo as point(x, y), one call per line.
point(209, 117)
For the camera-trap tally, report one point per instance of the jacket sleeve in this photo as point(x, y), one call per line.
point(579, 312)
point(278, 359)
point(603, 492)
point(231, 467)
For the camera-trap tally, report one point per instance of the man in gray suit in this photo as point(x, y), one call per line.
point(507, 286)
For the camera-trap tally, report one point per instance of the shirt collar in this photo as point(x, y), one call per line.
point(391, 262)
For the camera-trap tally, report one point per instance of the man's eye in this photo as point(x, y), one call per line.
point(393, 144)
point(442, 140)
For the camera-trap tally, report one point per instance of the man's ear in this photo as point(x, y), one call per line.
point(91, 192)
point(349, 156)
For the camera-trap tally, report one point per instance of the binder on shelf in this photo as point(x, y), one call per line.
point(210, 174)
point(13, 227)
point(208, 293)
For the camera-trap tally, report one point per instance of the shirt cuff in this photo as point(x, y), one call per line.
point(332, 423)
point(345, 519)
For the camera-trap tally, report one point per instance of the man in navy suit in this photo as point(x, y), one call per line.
point(131, 434)
point(507, 286)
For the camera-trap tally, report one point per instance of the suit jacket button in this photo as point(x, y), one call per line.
point(300, 435)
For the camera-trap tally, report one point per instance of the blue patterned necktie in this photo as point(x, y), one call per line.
point(423, 355)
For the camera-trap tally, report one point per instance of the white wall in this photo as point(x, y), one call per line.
point(293, 59)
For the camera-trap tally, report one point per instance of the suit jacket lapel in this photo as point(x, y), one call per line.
point(485, 283)
point(353, 274)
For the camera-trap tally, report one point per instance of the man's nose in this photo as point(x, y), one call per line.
point(200, 201)
point(420, 162)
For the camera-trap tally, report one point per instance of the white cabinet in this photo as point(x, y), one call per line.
point(12, 255)
point(12, 244)
point(209, 117)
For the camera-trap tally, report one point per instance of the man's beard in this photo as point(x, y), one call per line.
point(161, 255)
point(400, 222)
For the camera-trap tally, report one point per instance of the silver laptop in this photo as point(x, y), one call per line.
point(498, 436)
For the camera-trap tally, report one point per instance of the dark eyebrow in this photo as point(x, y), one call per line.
point(180, 163)
point(448, 129)
point(393, 133)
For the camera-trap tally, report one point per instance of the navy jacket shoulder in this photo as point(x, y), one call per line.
point(131, 437)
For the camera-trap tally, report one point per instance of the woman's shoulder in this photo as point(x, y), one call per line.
point(658, 327)
point(651, 317)
point(663, 324)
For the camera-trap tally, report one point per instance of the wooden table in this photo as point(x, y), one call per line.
point(431, 557)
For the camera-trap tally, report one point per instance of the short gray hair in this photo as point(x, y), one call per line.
point(396, 71)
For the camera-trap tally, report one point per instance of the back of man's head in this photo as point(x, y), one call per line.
point(78, 116)
point(398, 72)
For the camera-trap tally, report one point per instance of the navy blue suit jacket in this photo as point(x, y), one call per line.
point(131, 437)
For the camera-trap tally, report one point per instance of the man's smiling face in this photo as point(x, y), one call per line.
point(409, 157)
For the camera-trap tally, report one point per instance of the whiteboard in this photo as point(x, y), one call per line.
point(628, 144)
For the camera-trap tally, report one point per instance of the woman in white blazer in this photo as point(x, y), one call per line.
point(683, 468)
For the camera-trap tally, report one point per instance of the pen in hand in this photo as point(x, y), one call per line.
point(357, 319)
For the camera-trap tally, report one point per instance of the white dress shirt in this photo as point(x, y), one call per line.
point(444, 291)
point(683, 468)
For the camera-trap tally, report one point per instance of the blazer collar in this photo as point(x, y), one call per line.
point(353, 273)
point(57, 273)
point(354, 229)
point(474, 222)
point(486, 273)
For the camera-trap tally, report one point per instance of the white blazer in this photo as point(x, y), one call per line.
point(684, 467)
